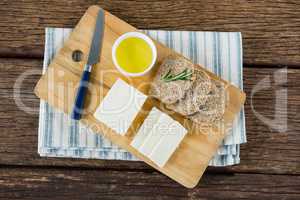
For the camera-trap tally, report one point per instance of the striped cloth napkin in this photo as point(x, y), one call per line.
point(221, 53)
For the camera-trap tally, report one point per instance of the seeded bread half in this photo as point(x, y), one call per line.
point(195, 97)
point(214, 108)
point(200, 98)
point(170, 92)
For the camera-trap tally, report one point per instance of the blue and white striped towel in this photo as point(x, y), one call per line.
point(221, 53)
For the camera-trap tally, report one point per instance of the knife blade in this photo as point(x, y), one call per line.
point(95, 50)
point(93, 58)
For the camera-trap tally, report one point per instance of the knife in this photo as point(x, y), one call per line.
point(93, 58)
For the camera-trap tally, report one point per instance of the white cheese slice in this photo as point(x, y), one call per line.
point(168, 143)
point(153, 138)
point(158, 131)
point(160, 140)
point(120, 106)
point(146, 128)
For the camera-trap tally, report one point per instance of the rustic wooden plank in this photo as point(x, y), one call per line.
point(271, 29)
point(267, 150)
point(45, 183)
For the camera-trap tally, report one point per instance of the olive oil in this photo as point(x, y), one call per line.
point(134, 55)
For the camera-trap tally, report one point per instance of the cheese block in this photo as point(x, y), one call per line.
point(168, 144)
point(158, 137)
point(153, 137)
point(146, 128)
point(120, 106)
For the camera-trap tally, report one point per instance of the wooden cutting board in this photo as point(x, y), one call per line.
point(58, 87)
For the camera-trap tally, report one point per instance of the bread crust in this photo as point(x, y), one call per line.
point(195, 97)
point(170, 92)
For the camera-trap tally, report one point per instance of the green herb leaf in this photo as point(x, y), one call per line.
point(184, 75)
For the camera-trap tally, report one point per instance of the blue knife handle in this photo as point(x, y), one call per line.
point(81, 93)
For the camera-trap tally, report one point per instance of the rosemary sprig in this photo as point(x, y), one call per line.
point(184, 75)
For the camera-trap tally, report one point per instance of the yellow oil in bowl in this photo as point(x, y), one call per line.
point(134, 55)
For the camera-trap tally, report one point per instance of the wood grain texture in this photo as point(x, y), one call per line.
point(271, 29)
point(47, 183)
point(267, 150)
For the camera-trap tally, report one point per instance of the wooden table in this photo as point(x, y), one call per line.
point(270, 161)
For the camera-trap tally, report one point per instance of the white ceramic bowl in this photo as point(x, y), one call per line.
point(147, 39)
